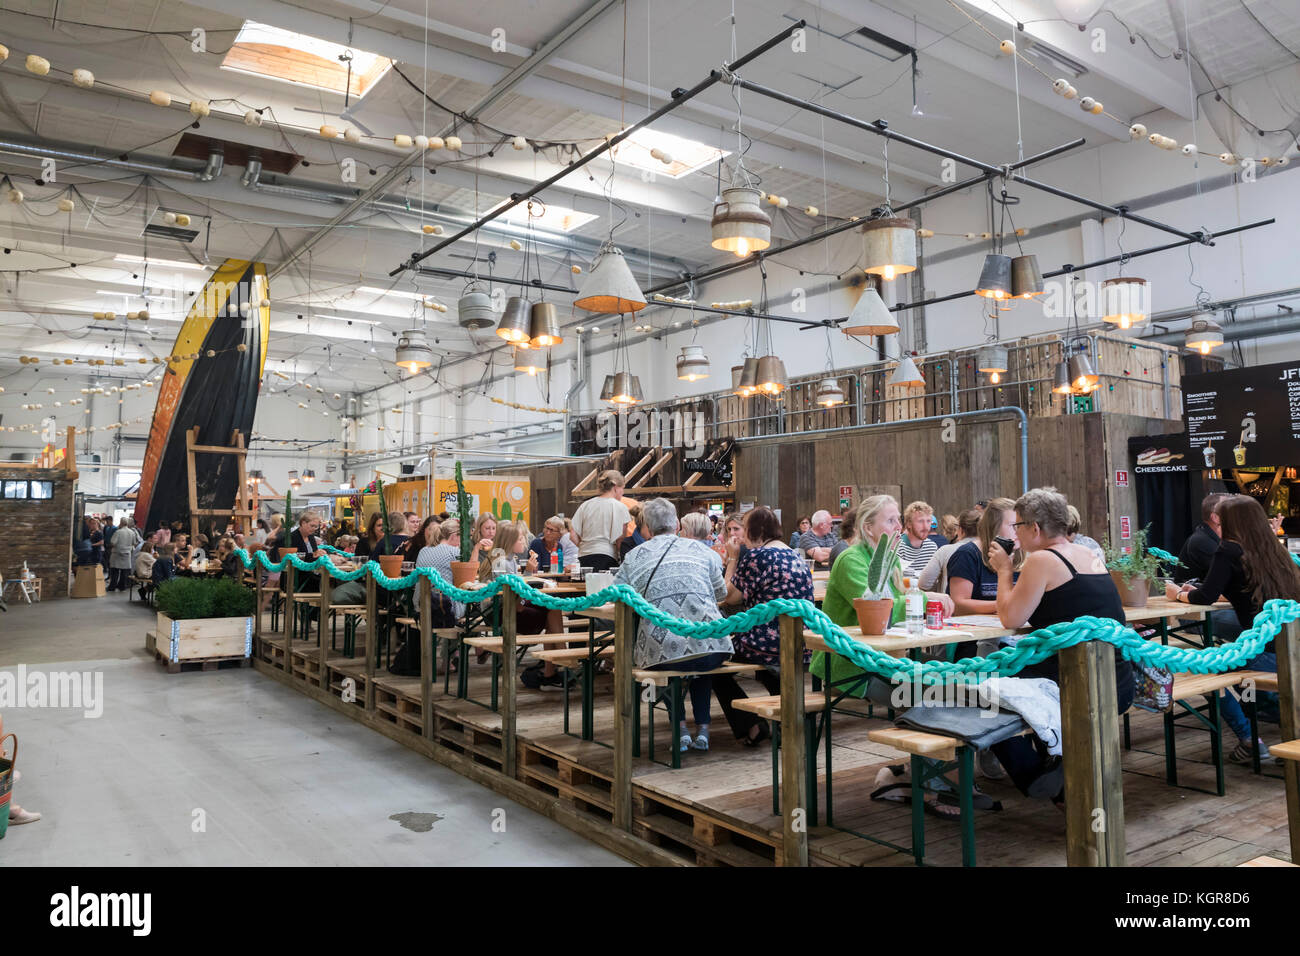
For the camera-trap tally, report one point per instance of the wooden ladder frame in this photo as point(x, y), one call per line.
point(243, 507)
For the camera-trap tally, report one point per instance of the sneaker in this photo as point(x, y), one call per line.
point(554, 682)
point(532, 677)
point(701, 742)
point(686, 742)
point(989, 766)
point(1049, 782)
point(19, 817)
point(1243, 754)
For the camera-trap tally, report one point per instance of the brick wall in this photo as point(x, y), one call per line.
point(37, 531)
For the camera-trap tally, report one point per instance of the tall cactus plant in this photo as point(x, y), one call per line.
point(462, 513)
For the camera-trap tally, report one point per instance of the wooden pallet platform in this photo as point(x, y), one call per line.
point(194, 664)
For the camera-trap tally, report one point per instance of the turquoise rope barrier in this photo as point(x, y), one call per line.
point(1030, 649)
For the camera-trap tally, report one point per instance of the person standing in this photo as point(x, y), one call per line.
point(125, 541)
point(600, 523)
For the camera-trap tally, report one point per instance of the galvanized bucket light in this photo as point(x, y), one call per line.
point(544, 325)
point(889, 247)
point(607, 390)
point(475, 310)
point(995, 277)
point(529, 360)
point(627, 389)
point(692, 364)
point(1026, 279)
point(993, 360)
point(870, 316)
point(413, 352)
point(739, 223)
point(1083, 378)
point(1125, 301)
point(1061, 379)
point(770, 374)
point(1204, 336)
point(829, 393)
point(748, 378)
point(610, 287)
point(514, 323)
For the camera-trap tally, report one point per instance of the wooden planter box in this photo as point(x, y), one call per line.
point(203, 639)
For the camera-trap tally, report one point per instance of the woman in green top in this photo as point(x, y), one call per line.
point(877, 516)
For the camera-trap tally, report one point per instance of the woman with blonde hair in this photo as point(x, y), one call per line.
point(600, 523)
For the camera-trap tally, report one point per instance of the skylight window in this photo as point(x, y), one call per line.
point(548, 216)
point(306, 61)
point(687, 155)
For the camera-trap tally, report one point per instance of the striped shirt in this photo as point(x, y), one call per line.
point(915, 558)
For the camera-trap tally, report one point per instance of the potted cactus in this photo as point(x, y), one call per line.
point(876, 606)
point(464, 570)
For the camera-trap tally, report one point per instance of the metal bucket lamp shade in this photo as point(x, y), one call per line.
point(309, 475)
point(771, 375)
point(413, 352)
point(906, 376)
point(529, 360)
point(607, 390)
point(692, 364)
point(870, 316)
point(889, 247)
point(739, 223)
point(1125, 301)
point(829, 393)
point(1061, 380)
point(736, 372)
point(627, 389)
point(610, 287)
point(475, 310)
point(993, 360)
point(995, 277)
point(544, 326)
point(254, 476)
point(515, 320)
point(1026, 279)
point(748, 378)
point(1083, 377)
point(1204, 336)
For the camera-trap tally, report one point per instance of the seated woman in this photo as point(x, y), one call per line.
point(1250, 567)
point(1059, 581)
point(231, 566)
point(510, 545)
point(972, 582)
point(878, 516)
point(769, 569)
point(371, 544)
point(484, 533)
point(678, 578)
point(163, 568)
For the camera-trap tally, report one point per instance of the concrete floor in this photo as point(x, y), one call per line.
point(280, 779)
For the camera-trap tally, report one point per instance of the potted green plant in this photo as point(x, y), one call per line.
point(202, 619)
point(464, 570)
point(1133, 571)
point(389, 563)
point(876, 606)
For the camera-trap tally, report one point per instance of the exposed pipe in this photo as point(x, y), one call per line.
point(1260, 327)
point(252, 172)
point(581, 365)
point(216, 160)
point(191, 169)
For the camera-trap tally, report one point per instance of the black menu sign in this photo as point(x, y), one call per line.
point(1244, 417)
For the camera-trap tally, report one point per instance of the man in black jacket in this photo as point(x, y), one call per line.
point(1198, 550)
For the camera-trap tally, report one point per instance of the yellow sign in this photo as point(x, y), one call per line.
point(504, 497)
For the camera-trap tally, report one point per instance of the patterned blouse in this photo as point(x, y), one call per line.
point(763, 574)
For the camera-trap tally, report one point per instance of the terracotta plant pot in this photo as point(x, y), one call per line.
point(1134, 595)
point(391, 565)
point(873, 616)
point(463, 572)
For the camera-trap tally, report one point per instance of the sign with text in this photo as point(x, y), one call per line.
point(1121, 479)
point(1243, 417)
point(1125, 527)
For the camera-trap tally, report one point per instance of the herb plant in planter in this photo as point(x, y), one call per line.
point(876, 606)
point(1135, 571)
point(464, 570)
point(203, 620)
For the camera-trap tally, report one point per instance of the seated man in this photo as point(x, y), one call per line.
point(164, 568)
point(1198, 551)
point(819, 540)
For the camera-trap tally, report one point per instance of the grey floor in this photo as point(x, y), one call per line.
point(278, 778)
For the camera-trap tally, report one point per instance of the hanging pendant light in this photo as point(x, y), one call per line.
point(529, 360)
point(1083, 378)
point(627, 389)
point(254, 477)
point(736, 371)
point(610, 287)
point(607, 390)
point(889, 247)
point(1061, 380)
point(770, 374)
point(906, 375)
point(475, 311)
point(870, 316)
point(692, 364)
point(1204, 336)
point(514, 323)
point(544, 325)
point(739, 223)
point(829, 393)
point(995, 277)
point(1026, 279)
point(413, 352)
point(993, 360)
point(1125, 301)
point(309, 475)
point(748, 378)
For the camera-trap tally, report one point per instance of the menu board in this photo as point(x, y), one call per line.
point(1244, 417)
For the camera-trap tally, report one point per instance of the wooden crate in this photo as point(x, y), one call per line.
point(200, 663)
point(204, 638)
point(1133, 377)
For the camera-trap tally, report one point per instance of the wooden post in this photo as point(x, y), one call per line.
point(428, 670)
point(372, 641)
point(794, 790)
point(192, 439)
point(290, 573)
point(625, 702)
point(507, 695)
point(258, 587)
point(1287, 646)
point(326, 594)
point(1094, 787)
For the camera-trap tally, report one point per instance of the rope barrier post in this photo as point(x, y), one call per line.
point(1094, 790)
point(372, 642)
point(428, 668)
point(1287, 645)
point(290, 585)
point(625, 703)
point(258, 587)
point(507, 698)
point(794, 790)
point(323, 612)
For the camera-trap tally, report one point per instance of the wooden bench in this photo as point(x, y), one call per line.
point(943, 754)
point(353, 615)
point(673, 683)
point(1290, 750)
point(769, 708)
point(147, 589)
point(1207, 686)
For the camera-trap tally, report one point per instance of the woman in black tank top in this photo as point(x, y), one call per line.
point(1038, 598)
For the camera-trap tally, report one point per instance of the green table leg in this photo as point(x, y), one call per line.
point(810, 748)
point(588, 698)
point(1216, 741)
point(776, 767)
point(496, 671)
point(918, 811)
point(966, 799)
point(674, 722)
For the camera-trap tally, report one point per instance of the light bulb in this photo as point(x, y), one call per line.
point(1124, 322)
point(1205, 348)
point(742, 247)
point(889, 273)
point(995, 378)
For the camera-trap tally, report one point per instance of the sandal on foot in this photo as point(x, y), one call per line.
point(894, 784)
point(940, 807)
point(763, 734)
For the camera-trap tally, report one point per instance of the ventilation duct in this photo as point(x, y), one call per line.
point(252, 172)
